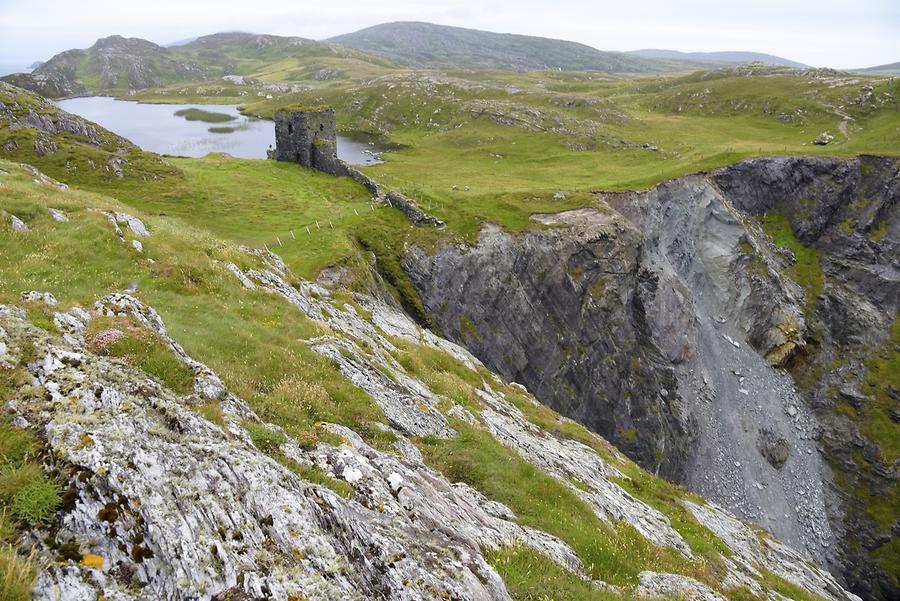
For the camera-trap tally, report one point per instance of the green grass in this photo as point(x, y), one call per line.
point(507, 162)
point(807, 270)
point(37, 501)
point(660, 494)
point(79, 160)
point(195, 114)
point(383, 236)
point(776, 583)
point(448, 377)
point(258, 203)
point(27, 496)
point(614, 554)
point(143, 349)
point(252, 339)
point(883, 377)
point(530, 576)
point(266, 440)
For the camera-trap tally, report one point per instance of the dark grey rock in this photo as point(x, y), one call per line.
point(774, 448)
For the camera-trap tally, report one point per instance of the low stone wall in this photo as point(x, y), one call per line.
point(412, 210)
point(406, 205)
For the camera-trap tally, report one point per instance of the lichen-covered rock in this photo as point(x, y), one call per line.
point(673, 586)
point(136, 225)
point(568, 460)
point(162, 503)
point(177, 509)
point(408, 405)
point(753, 550)
point(207, 384)
point(46, 298)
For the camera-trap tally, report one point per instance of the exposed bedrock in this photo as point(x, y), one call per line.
point(665, 320)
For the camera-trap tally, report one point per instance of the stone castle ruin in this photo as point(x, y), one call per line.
point(308, 136)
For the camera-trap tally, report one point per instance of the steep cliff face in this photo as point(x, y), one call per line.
point(663, 320)
point(561, 310)
point(845, 213)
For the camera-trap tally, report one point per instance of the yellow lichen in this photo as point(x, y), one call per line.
point(92, 561)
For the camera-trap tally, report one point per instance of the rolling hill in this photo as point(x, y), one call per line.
point(117, 64)
point(732, 56)
point(889, 69)
point(426, 45)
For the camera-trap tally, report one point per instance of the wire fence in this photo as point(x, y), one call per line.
point(311, 228)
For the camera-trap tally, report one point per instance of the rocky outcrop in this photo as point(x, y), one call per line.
point(35, 130)
point(662, 320)
point(45, 117)
point(112, 63)
point(163, 503)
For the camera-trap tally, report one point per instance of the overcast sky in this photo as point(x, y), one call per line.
point(839, 34)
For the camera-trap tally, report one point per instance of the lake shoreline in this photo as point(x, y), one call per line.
point(167, 129)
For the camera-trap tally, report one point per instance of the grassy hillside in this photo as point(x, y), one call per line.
point(498, 146)
point(35, 131)
point(114, 64)
point(425, 45)
point(888, 69)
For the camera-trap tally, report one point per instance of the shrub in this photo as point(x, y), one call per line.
point(37, 501)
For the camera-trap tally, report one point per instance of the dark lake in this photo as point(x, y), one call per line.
point(156, 127)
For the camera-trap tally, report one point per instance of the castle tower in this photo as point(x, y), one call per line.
point(308, 135)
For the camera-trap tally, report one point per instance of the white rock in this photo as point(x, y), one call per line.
point(58, 215)
point(395, 480)
point(136, 225)
point(17, 224)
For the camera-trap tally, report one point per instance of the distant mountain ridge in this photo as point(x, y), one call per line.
point(117, 64)
point(728, 56)
point(426, 45)
point(890, 69)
